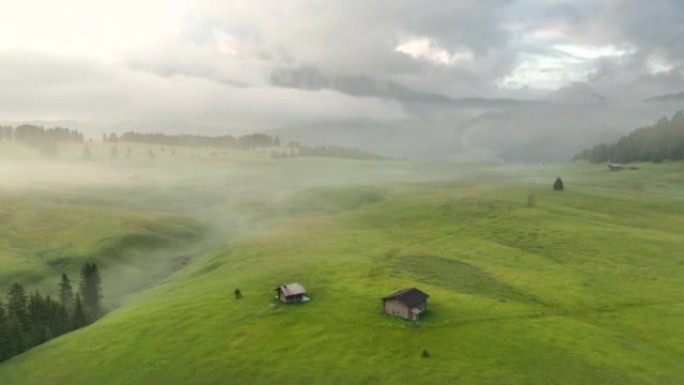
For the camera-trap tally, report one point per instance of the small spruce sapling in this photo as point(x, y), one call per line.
point(558, 184)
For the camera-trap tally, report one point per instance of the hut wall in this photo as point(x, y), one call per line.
point(394, 307)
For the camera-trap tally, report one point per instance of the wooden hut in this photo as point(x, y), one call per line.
point(291, 292)
point(408, 303)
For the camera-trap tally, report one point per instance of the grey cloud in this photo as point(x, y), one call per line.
point(120, 96)
point(647, 31)
point(254, 65)
point(360, 38)
point(354, 39)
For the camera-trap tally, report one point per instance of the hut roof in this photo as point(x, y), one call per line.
point(409, 297)
point(294, 288)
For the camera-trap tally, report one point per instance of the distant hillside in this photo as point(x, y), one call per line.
point(666, 98)
point(543, 132)
point(662, 141)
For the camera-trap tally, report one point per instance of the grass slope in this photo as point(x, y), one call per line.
point(41, 238)
point(578, 287)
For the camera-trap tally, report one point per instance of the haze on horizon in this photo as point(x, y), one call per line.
point(387, 76)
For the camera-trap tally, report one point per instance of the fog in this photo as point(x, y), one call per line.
point(123, 212)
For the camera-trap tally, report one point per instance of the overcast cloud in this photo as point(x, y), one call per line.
point(221, 64)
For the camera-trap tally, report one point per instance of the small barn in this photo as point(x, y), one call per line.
point(408, 303)
point(291, 292)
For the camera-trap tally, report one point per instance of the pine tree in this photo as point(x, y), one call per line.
point(66, 293)
point(90, 290)
point(60, 319)
point(237, 293)
point(28, 321)
point(558, 184)
point(17, 305)
point(129, 153)
point(114, 152)
point(18, 342)
point(39, 318)
point(79, 318)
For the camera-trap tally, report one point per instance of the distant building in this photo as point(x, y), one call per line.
point(615, 166)
point(408, 303)
point(291, 292)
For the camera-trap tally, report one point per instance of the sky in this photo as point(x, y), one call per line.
point(238, 66)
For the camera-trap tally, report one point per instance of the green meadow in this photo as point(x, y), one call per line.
point(527, 285)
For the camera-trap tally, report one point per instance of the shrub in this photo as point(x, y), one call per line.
point(558, 184)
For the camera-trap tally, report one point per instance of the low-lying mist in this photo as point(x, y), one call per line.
point(142, 218)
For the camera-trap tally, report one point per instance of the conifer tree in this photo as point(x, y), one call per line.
point(18, 342)
point(558, 184)
point(26, 321)
point(79, 318)
point(66, 292)
point(17, 305)
point(60, 319)
point(39, 318)
point(90, 290)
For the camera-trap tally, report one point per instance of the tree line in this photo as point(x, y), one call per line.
point(45, 139)
point(223, 141)
point(29, 319)
point(662, 141)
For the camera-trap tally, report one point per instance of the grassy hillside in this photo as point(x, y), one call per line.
point(41, 237)
point(527, 285)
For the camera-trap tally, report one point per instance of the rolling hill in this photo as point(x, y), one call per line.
point(527, 285)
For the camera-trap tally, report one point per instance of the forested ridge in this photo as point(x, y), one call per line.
point(664, 140)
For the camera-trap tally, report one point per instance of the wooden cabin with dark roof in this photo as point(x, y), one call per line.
point(408, 303)
point(291, 292)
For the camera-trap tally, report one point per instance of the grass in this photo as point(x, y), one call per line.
point(583, 287)
point(40, 239)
